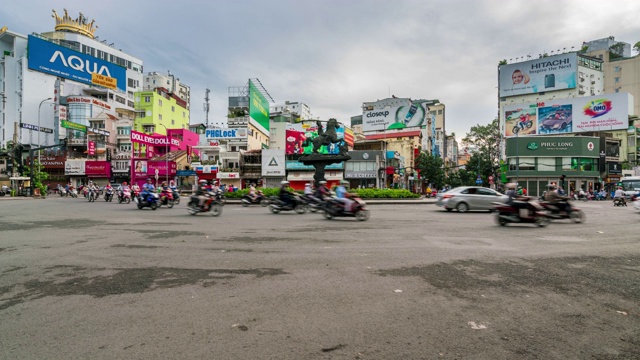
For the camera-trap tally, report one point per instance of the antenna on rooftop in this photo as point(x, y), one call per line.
point(206, 106)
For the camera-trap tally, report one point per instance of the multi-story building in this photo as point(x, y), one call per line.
point(299, 110)
point(173, 85)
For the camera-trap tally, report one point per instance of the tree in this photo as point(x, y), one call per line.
point(430, 167)
point(636, 47)
point(39, 176)
point(486, 140)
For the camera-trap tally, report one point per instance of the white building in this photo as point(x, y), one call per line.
point(173, 85)
point(295, 108)
point(28, 80)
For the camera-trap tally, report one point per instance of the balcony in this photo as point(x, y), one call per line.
point(230, 155)
point(82, 142)
point(123, 136)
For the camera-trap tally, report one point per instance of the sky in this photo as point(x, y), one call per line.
point(334, 55)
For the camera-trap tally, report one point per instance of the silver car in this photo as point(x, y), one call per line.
point(467, 198)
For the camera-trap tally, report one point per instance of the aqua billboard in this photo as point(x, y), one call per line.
point(258, 106)
point(47, 57)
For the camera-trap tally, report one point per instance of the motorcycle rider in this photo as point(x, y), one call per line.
point(122, 188)
point(307, 190)
point(252, 192)
point(343, 196)
point(619, 194)
point(322, 191)
point(147, 189)
point(164, 189)
point(552, 197)
point(285, 194)
point(108, 188)
point(517, 201)
point(201, 192)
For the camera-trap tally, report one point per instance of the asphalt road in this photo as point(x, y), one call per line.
point(83, 280)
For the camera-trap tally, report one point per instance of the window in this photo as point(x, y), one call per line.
point(566, 163)
point(173, 108)
point(159, 102)
point(173, 122)
point(159, 116)
point(546, 164)
point(616, 80)
point(440, 112)
point(184, 115)
point(147, 99)
point(617, 68)
point(617, 90)
point(148, 128)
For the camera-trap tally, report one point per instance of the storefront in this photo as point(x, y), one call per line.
point(299, 174)
point(54, 166)
point(158, 171)
point(98, 171)
point(535, 162)
point(74, 170)
point(230, 179)
point(362, 171)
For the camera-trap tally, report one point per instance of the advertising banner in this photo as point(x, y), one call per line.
point(52, 162)
point(62, 112)
point(36, 128)
point(161, 167)
point(226, 134)
point(98, 169)
point(139, 168)
point(73, 126)
point(258, 106)
point(557, 146)
point(142, 138)
point(91, 148)
point(74, 167)
point(228, 175)
point(88, 100)
point(550, 73)
point(299, 138)
point(572, 115)
point(50, 58)
point(411, 114)
point(273, 162)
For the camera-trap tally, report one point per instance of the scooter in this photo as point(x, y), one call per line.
point(176, 197)
point(619, 201)
point(150, 200)
point(313, 203)
point(259, 199)
point(124, 196)
point(211, 205)
point(166, 198)
point(92, 195)
point(554, 212)
point(335, 208)
point(276, 205)
point(108, 195)
point(532, 214)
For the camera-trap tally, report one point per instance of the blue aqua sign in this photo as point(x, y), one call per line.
point(50, 58)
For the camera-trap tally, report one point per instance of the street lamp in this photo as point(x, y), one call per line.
point(166, 155)
point(39, 107)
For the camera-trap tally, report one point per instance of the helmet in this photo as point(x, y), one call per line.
point(202, 181)
point(322, 182)
point(90, 181)
point(344, 182)
point(148, 179)
point(511, 186)
point(307, 184)
point(124, 183)
point(284, 183)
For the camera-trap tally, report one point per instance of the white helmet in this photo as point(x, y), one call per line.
point(284, 183)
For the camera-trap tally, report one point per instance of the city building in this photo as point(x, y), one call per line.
point(299, 110)
point(153, 80)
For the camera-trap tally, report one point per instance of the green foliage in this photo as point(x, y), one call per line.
point(616, 50)
point(584, 49)
point(636, 47)
point(503, 62)
point(39, 176)
point(430, 168)
point(240, 193)
point(385, 193)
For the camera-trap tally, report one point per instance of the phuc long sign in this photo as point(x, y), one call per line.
point(142, 138)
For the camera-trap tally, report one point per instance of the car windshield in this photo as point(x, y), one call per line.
point(631, 185)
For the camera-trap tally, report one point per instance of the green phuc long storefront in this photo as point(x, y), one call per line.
point(536, 161)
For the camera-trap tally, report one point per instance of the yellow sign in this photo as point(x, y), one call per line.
point(105, 81)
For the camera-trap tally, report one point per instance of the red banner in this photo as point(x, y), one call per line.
point(91, 146)
point(98, 169)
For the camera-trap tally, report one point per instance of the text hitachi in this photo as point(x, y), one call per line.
point(551, 63)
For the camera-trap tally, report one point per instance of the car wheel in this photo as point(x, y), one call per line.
point(462, 207)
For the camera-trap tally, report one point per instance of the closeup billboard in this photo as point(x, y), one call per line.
point(549, 73)
point(50, 58)
point(411, 114)
point(572, 115)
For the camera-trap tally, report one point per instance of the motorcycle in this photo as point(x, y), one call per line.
point(176, 197)
point(619, 201)
point(73, 193)
point(556, 213)
point(259, 199)
point(136, 196)
point(522, 124)
point(220, 198)
point(276, 205)
point(108, 195)
point(532, 214)
point(149, 199)
point(166, 198)
point(92, 195)
point(335, 208)
point(62, 191)
point(313, 203)
point(210, 205)
point(124, 196)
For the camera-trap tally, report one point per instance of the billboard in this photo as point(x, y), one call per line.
point(572, 115)
point(74, 167)
point(50, 58)
point(98, 168)
point(226, 134)
point(299, 139)
point(411, 114)
point(550, 73)
point(258, 106)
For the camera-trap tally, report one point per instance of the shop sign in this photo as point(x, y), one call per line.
point(240, 133)
point(98, 168)
point(73, 126)
point(360, 174)
point(614, 168)
point(228, 175)
point(74, 167)
point(88, 100)
point(186, 173)
point(52, 162)
point(36, 128)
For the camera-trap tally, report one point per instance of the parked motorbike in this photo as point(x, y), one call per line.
point(149, 199)
point(276, 205)
point(108, 195)
point(532, 214)
point(259, 199)
point(166, 198)
point(124, 196)
point(556, 213)
point(619, 202)
point(210, 205)
point(335, 208)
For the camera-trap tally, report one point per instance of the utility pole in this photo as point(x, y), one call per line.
point(206, 106)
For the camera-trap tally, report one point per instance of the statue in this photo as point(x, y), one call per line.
point(327, 137)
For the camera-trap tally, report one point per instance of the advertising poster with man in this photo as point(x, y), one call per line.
point(521, 121)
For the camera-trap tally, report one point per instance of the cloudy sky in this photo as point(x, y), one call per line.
point(333, 55)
